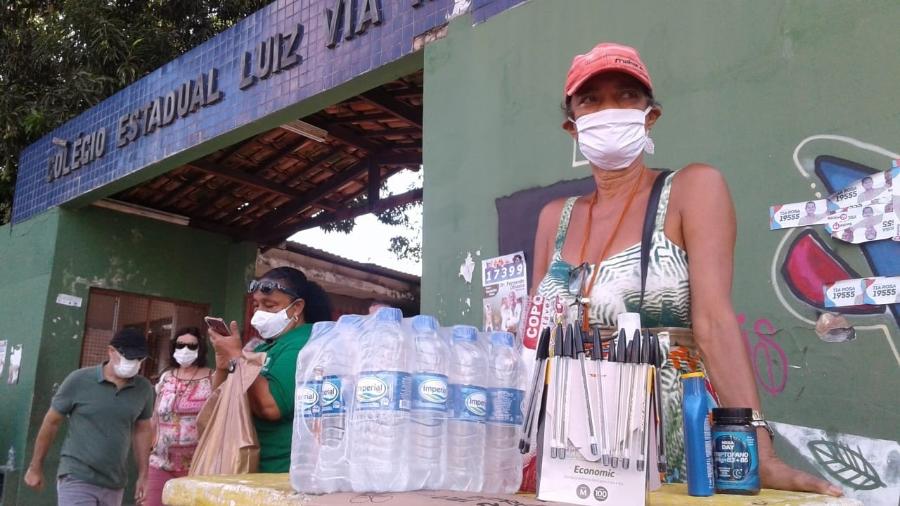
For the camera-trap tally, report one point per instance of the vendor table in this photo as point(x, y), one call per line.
point(275, 490)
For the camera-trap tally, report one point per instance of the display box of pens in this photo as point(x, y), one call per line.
point(596, 420)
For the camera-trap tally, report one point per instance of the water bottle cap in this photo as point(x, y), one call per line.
point(350, 319)
point(502, 339)
point(320, 328)
point(465, 333)
point(424, 323)
point(389, 314)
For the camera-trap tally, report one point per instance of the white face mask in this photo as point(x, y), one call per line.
point(270, 325)
point(127, 368)
point(185, 357)
point(612, 139)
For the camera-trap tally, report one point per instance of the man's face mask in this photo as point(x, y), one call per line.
point(126, 368)
point(612, 139)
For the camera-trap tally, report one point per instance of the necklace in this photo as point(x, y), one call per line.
point(586, 289)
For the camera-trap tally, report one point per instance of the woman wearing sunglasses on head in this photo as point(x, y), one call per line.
point(286, 305)
point(180, 393)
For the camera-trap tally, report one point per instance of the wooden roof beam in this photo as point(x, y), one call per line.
point(346, 135)
point(387, 103)
point(279, 234)
point(246, 178)
point(286, 212)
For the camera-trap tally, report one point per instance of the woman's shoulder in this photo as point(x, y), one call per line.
point(695, 179)
point(162, 381)
point(697, 174)
point(551, 213)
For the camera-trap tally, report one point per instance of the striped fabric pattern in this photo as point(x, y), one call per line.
point(667, 303)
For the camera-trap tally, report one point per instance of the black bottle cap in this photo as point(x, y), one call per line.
point(732, 416)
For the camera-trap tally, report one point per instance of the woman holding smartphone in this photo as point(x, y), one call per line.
point(286, 304)
point(180, 394)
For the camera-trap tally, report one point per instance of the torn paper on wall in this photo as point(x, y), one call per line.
point(2, 356)
point(867, 469)
point(467, 268)
point(65, 299)
point(15, 360)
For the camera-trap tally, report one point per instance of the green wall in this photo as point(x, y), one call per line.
point(742, 83)
point(26, 264)
point(98, 248)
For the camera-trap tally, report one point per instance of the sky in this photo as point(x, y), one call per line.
point(372, 233)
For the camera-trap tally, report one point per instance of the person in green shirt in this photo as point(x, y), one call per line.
point(107, 408)
point(286, 305)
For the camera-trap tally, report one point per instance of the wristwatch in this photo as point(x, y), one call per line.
point(758, 420)
point(232, 365)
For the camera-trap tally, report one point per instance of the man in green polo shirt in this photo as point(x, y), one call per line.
point(108, 408)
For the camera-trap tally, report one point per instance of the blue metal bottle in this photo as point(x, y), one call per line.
point(697, 435)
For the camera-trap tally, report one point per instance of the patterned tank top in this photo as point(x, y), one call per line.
point(667, 298)
point(667, 303)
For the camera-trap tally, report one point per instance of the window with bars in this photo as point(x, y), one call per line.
point(110, 311)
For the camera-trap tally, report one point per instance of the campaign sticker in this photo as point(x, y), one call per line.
point(882, 290)
point(857, 216)
point(875, 189)
point(843, 293)
point(798, 214)
point(870, 229)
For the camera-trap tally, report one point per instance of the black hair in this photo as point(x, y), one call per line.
point(317, 305)
point(201, 350)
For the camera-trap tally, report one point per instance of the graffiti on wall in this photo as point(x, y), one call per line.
point(868, 469)
point(805, 259)
point(770, 363)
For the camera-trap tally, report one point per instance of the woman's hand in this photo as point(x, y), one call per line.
point(227, 348)
point(774, 473)
point(140, 490)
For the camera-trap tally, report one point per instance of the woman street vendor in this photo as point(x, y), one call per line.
point(688, 247)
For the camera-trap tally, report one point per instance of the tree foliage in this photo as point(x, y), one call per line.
point(59, 58)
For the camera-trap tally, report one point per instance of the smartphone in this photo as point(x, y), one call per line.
point(218, 325)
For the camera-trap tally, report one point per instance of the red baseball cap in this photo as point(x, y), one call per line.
point(606, 57)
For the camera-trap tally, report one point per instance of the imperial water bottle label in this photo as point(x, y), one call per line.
point(469, 403)
point(331, 399)
point(388, 390)
point(504, 406)
point(430, 392)
point(735, 460)
point(308, 398)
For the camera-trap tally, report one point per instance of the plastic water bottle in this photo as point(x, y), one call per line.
point(337, 358)
point(307, 416)
point(468, 408)
point(502, 459)
point(379, 459)
point(429, 405)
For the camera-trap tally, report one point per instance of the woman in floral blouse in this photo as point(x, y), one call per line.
point(180, 393)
